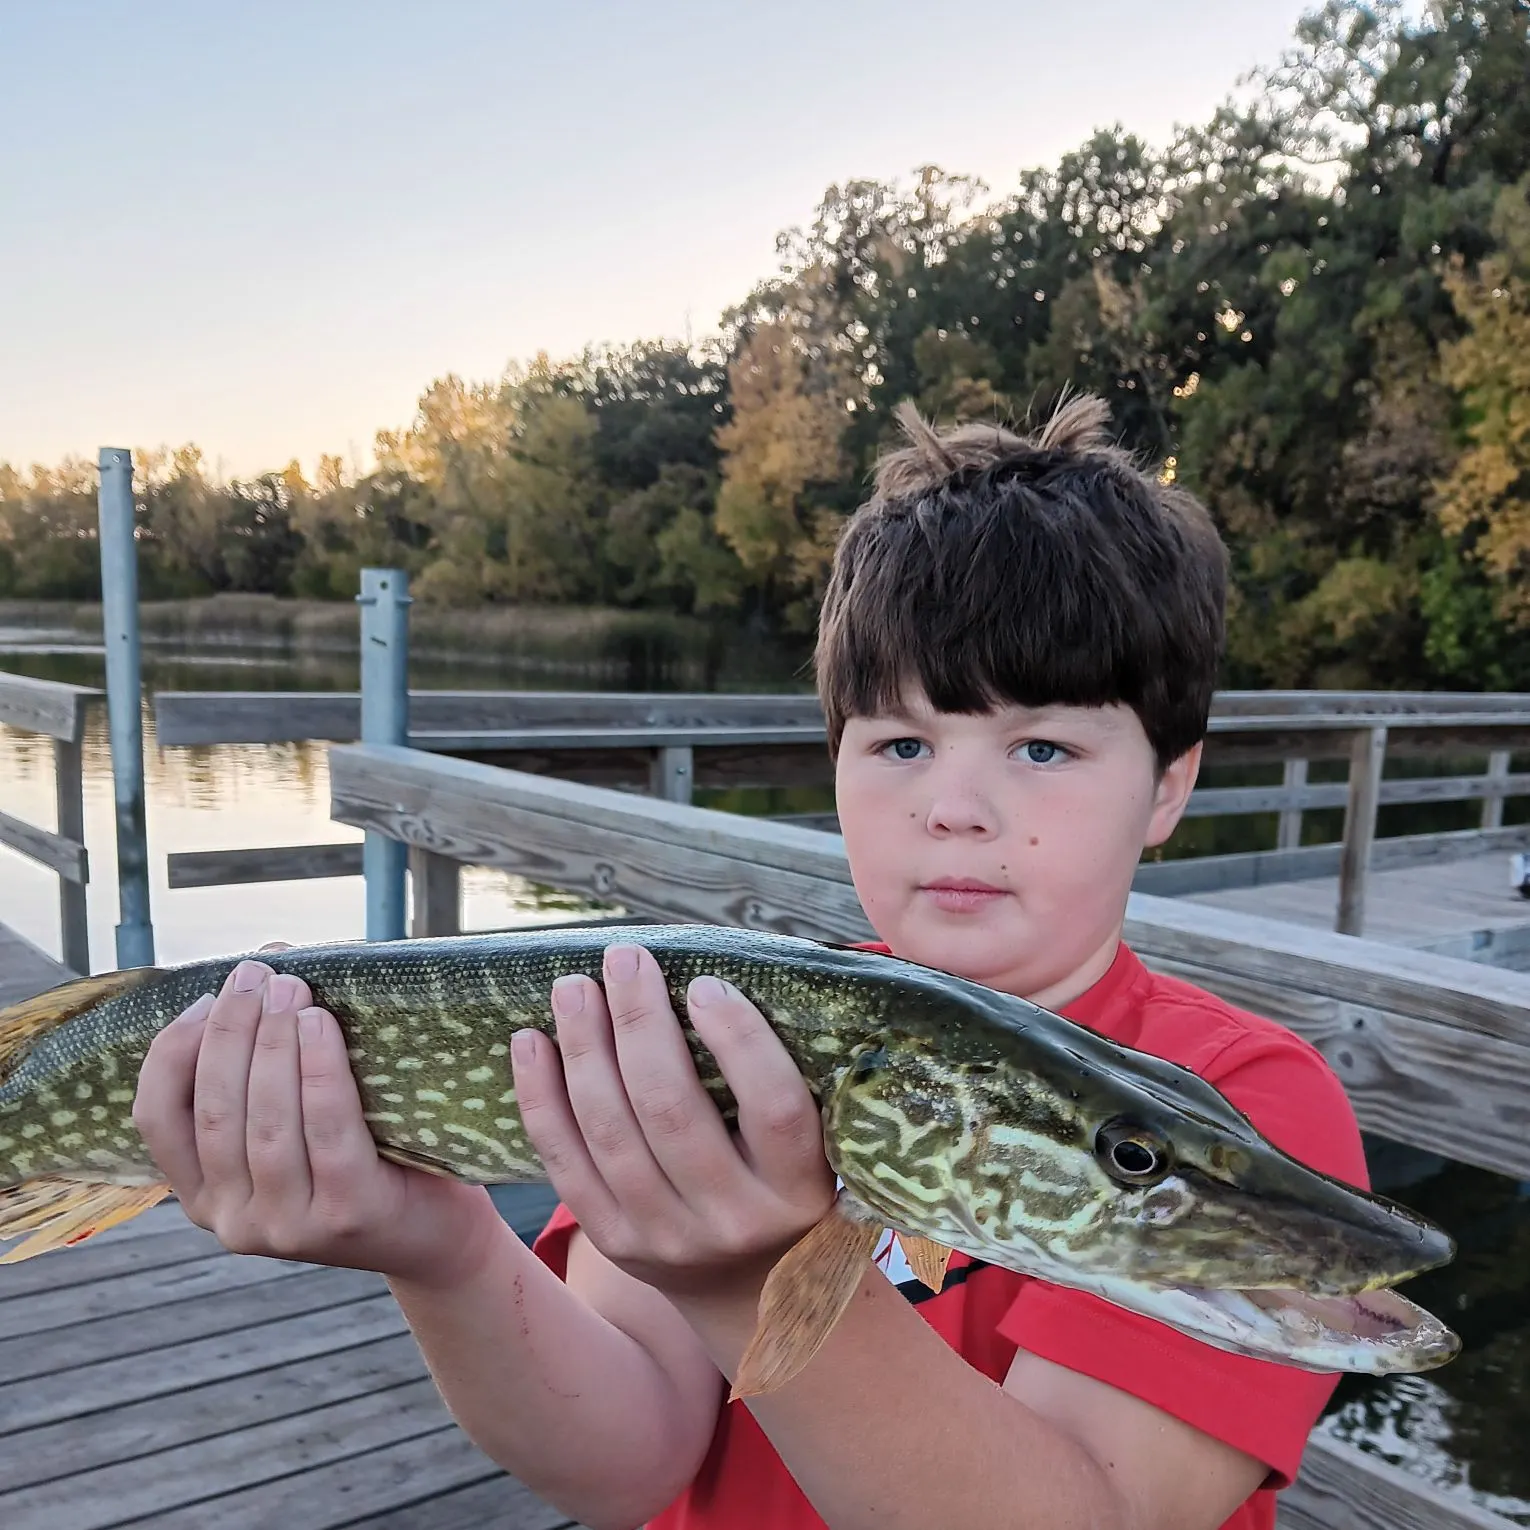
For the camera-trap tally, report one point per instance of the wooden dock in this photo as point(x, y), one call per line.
point(1464, 908)
point(151, 1378)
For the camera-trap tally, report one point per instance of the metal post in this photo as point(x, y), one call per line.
point(69, 794)
point(384, 602)
point(124, 700)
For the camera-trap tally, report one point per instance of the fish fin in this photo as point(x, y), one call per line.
point(21, 1024)
point(59, 1211)
point(804, 1297)
point(926, 1258)
point(411, 1158)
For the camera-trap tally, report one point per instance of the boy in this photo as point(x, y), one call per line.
point(1016, 660)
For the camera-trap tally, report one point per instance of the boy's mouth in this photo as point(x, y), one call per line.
point(962, 894)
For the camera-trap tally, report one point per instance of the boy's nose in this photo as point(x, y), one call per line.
point(961, 812)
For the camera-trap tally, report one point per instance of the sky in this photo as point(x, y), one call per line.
point(266, 227)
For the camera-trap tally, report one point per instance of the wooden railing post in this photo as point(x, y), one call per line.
point(436, 888)
point(1289, 835)
point(1492, 804)
point(1367, 755)
point(673, 773)
point(69, 794)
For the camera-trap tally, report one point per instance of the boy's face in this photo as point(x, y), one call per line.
point(1000, 846)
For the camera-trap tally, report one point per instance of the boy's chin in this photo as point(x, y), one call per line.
point(992, 957)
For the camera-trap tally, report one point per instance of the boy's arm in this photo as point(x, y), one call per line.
point(251, 1110)
point(890, 1429)
point(595, 1394)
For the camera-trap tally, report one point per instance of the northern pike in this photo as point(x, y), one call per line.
point(960, 1117)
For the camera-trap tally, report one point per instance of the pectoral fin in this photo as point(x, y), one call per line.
point(804, 1297)
point(926, 1258)
point(59, 1211)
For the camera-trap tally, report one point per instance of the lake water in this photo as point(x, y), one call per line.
point(1462, 1427)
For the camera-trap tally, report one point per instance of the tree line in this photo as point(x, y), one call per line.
point(1313, 310)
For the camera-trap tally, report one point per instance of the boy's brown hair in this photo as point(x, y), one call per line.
point(989, 567)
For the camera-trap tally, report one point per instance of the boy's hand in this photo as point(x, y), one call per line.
point(639, 1153)
point(248, 1105)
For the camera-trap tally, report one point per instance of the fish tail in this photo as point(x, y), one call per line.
point(58, 1211)
point(23, 1024)
point(55, 1209)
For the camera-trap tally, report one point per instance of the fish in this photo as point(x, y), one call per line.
point(962, 1118)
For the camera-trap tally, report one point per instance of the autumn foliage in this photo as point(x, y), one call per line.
point(1314, 310)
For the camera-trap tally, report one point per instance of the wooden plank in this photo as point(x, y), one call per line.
point(144, 1290)
point(1341, 1488)
point(673, 774)
point(55, 851)
point(1497, 784)
point(44, 706)
point(654, 857)
point(435, 885)
point(1288, 798)
point(116, 1384)
point(1390, 1020)
point(101, 1260)
point(69, 804)
point(176, 1485)
point(1367, 757)
point(1508, 946)
point(125, 1335)
point(496, 1503)
point(344, 1488)
point(1261, 868)
point(1289, 831)
point(274, 863)
point(1267, 703)
point(212, 717)
point(63, 1459)
point(25, 969)
point(1428, 907)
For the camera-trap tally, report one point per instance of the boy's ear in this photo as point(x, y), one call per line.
point(1175, 784)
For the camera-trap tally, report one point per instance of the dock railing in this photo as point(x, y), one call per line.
point(1433, 1051)
point(671, 745)
point(56, 711)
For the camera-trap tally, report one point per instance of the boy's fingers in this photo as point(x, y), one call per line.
point(223, 1079)
point(778, 1120)
point(680, 1123)
point(162, 1108)
point(597, 1095)
point(340, 1146)
point(275, 1144)
point(542, 1099)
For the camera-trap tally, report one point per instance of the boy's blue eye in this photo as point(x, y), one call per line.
point(1040, 752)
point(905, 748)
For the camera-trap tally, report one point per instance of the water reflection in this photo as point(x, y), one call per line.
point(1463, 1427)
point(217, 797)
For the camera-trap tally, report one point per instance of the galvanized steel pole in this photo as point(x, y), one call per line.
point(384, 602)
point(124, 701)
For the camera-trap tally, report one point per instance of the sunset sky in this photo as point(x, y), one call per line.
point(265, 228)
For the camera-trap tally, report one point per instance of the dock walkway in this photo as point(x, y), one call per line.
point(148, 1378)
point(1466, 908)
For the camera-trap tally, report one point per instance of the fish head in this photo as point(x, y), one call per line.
point(1063, 1155)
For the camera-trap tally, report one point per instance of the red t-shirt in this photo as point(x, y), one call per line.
point(1264, 1409)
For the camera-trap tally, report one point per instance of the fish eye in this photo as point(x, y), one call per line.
point(1128, 1153)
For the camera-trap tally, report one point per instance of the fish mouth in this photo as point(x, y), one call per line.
point(1376, 1332)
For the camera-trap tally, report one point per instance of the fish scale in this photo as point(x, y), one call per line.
point(960, 1117)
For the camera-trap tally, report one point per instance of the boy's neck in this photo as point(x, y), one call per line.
point(1061, 992)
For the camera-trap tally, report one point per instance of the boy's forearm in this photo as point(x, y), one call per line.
point(546, 1387)
point(890, 1429)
